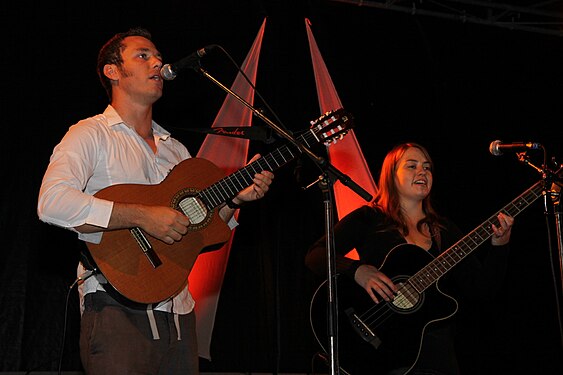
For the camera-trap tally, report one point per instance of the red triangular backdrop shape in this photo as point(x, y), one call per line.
point(230, 154)
point(346, 155)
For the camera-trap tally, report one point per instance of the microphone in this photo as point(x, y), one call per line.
point(496, 147)
point(170, 71)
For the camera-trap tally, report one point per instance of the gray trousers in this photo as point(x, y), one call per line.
point(116, 339)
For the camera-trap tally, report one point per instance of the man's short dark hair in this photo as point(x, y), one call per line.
point(110, 53)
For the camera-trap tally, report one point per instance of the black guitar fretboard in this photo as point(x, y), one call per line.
point(229, 186)
point(455, 254)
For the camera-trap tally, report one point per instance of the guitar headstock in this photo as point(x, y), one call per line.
point(332, 126)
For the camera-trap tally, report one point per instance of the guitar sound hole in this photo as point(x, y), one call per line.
point(407, 299)
point(186, 201)
point(194, 209)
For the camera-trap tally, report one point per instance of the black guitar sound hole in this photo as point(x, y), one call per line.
point(408, 299)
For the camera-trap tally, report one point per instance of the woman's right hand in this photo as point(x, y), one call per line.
point(375, 281)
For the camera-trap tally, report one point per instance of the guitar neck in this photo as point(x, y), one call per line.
point(455, 254)
point(229, 186)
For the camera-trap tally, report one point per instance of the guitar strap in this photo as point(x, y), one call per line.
point(87, 260)
point(438, 237)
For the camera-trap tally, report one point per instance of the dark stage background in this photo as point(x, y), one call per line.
point(450, 85)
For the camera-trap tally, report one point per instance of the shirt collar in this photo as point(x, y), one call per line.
point(113, 119)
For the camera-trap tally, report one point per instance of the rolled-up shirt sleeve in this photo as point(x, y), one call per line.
point(57, 208)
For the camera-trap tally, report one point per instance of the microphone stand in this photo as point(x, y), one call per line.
point(325, 182)
point(330, 173)
point(553, 182)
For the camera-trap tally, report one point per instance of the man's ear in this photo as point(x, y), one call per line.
point(110, 71)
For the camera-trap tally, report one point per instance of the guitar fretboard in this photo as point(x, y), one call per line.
point(455, 254)
point(229, 186)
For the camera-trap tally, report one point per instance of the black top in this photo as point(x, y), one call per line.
point(472, 279)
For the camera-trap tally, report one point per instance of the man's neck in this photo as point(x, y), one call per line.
point(135, 115)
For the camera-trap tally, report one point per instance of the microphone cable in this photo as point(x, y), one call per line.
point(80, 278)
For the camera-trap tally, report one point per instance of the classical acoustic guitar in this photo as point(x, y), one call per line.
point(389, 335)
point(146, 270)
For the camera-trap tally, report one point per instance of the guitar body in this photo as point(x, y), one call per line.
point(123, 262)
point(376, 338)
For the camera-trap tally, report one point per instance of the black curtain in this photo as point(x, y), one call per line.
point(451, 86)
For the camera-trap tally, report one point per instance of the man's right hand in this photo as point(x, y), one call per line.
point(164, 223)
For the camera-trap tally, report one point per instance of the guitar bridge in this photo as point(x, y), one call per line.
point(146, 247)
point(362, 329)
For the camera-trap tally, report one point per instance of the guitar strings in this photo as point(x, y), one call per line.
point(407, 297)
